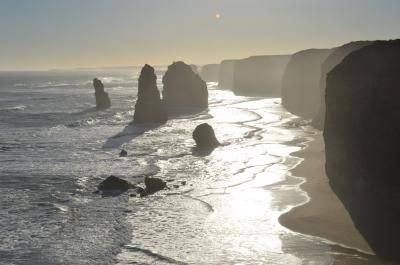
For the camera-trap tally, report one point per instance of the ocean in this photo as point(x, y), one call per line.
point(221, 208)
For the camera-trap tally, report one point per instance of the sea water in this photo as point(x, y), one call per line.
point(221, 208)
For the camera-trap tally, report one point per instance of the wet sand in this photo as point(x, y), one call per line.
point(323, 215)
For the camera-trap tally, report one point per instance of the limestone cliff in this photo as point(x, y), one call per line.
point(333, 59)
point(362, 141)
point(301, 93)
point(259, 75)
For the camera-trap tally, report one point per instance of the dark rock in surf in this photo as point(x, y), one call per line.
point(123, 153)
point(362, 142)
point(154, 184)
point(102, 99)
point(333, 59)
point(114, 183)
point(204, 136)
point(259, 75)
point(225, 78)
point(210, 72)
point(301, 93)
point(149, 107)
point(183, 89)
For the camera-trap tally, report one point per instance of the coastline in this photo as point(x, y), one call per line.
point(323, 215)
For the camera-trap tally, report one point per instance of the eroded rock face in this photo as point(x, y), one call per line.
point(333, 59)
point(225, 79)
point(204, 136)
point(149, 107)
point(362, 141)
point(259, 75)
point(183, 88)
point(301, 93)
point(210, 72)
point(102, 99)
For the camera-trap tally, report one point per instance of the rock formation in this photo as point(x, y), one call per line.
point(210, 72)
point(102, 99)
point(114, 183)
point(183, 89)
point(259, 75)
point(123, 153)
point(204, 136)
point(149, 107)
point(225, 79)
point(333, 59)
point(362, 142)
point(301, 93)
point(154, 184)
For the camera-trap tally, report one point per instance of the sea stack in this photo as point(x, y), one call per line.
point(149, 107)
point(210, 72)
point(102, 99)
point(301, 93)
point(362, 142)
point(225, 79)
point(333, 59)
point(204, 136)
point(183, 88)
point(259, 75)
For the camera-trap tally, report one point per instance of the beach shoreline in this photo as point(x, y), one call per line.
point(323, 215)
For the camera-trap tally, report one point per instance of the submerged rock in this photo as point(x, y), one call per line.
point(301, 93)
point(210, 72)
point(204, 136)
point(183, 89)
point(114, 183)
point(259, 75)
point(333, 59)
point(154, 184)
point(226, 70)
point(362, 142)
point(123, 153)
point(102, 99)
point(149, 107)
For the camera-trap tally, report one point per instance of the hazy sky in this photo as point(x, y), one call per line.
point(43, 34)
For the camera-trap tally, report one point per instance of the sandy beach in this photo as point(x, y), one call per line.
point(323, 215)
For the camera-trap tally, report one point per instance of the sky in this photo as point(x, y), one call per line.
point(59, 34)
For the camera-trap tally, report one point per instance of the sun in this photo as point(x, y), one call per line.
point(217, 16)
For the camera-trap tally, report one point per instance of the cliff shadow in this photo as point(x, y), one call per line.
point(130, 132)
point(377, 221)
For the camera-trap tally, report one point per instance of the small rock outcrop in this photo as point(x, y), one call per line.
point(114, 183)
point(153, 185)
point(204, 136)
point(210, 72)
point(183, 88)
point(301, 93)
point(102, 99)
point(362, 142)
point(333, 59)
point(123, 153)
point(225, 79)
point(149, 106)
point(259, 75)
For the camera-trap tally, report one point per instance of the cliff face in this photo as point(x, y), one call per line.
point(183, 88)
point(362, 141)
point(225, 80)
point(259, 75)
point(333, 59)
point(210, 72)
point(102, 99)
point(149, 107)
point(301, 92)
